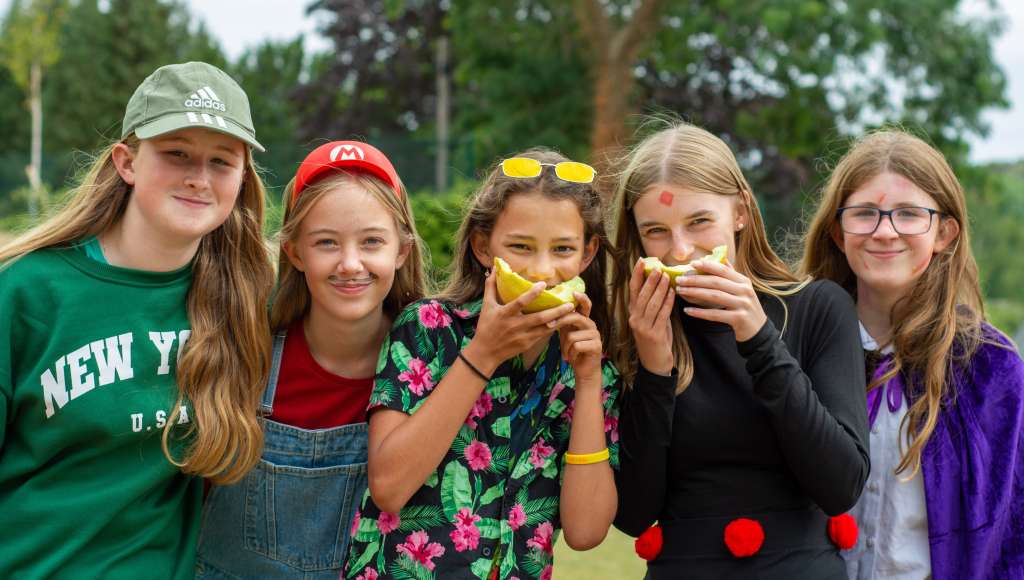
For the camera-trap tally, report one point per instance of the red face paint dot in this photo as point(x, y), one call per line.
point(666, 198)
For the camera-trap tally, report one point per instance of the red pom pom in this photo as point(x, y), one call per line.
point(648, 545)
point(843, 531)
point(744, 537)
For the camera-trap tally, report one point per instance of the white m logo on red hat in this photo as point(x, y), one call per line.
point(347, 152)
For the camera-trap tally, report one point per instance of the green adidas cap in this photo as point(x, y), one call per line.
point(191, 94)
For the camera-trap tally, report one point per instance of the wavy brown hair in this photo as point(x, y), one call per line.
point(489, 200)
point(688, 157)
point(223, 366)
point(941, 326)
point(292, 298)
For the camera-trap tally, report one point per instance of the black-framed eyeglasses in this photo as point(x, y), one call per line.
point(906, 221)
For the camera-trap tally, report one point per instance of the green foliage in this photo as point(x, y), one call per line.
point(437, 221)
point(530, 88)
point(270, 73)
point(995, 199)
point(1006, 315)
point(107, 52)
point(30, 33)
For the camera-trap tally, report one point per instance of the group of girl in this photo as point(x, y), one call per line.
point(743, 420)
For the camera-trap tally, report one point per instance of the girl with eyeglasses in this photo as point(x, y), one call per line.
point(743, 426)
point(493, 428)
point(945, 391)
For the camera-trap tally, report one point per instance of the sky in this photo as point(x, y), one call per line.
point(238, 24)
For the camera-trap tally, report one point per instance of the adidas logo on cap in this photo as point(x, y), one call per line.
point(205, 98)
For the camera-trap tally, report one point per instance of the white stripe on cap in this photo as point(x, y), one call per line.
point(194, 97)
point(220, 121)
point(203, 94)
point(207, 119)
point(212, 94)
point(192, 118)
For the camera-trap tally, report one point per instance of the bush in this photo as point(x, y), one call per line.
point(437, 219)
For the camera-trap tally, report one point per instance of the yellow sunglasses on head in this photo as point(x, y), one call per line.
point(525, 167)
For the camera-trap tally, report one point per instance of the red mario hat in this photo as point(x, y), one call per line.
point(348, 155)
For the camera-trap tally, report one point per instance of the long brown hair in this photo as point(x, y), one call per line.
point(292, 298)
point(223, 366)
point(941, 326)
point(489, 200)
point(686, 156)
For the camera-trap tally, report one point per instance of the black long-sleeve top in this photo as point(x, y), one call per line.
point(766, 425)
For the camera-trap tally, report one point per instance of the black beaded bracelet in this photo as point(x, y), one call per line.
point(473, 368)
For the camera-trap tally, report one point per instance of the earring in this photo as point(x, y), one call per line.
point(739, 227)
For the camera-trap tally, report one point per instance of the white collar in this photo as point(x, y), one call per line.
point(869, 343)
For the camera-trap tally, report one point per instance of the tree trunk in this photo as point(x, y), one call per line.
point(613, 85)
point(35, 164)
point(614, 51)
point(442, 114)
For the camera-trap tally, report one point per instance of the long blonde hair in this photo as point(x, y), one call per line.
point(689, 157)
point(223, 366)
point(292, 298)
point(489, 200)
point(941, 326)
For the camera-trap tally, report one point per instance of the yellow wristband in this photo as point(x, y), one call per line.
point(586, 458)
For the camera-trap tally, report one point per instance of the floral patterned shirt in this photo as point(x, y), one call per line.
point(487, 504)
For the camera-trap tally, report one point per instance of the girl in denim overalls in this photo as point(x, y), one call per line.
point(350, 260)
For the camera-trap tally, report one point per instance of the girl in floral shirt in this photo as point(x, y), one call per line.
point(476, 404)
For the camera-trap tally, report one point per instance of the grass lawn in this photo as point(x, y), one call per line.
point(614, 559)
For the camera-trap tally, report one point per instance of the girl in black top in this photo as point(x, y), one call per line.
point(743, 427)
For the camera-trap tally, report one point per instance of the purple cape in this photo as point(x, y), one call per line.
point(973, 468)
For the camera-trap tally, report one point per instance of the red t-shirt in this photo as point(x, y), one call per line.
point(310, 397)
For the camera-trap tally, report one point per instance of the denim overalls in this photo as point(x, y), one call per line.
point(291, 515)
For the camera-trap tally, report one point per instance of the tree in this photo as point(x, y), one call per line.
point(108, 50)
point(271, 74)
point(379, 77)
point(29, 48)
point(782, 81)
point(614, 49)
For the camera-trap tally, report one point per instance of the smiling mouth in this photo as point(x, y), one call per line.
point(351, 284)
point(193, 202)
point(885, 253)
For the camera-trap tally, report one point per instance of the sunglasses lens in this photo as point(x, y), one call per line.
point(575, 171)
point(520, 167)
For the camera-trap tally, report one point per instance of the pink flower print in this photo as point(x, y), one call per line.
point(546, 573)
point(418, 376)
point(432, 315)
point(466, 518)
point(465, 536)
point(541, 539)
point(368, 574)
point(555, 391)
point(611, 425)
point(355, 524)
point(539, 452)
point(388, 522)
point(516, 517)
point(567, 413)
point(481, 408)
point(419, 548)
point(462, 313)
point(478, 454)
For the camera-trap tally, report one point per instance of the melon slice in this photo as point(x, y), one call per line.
point(512, 286)
point(650, 264)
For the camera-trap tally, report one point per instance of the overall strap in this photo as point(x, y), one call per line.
point(267, 405)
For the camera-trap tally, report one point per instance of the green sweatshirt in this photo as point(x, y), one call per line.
point(87, 363)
